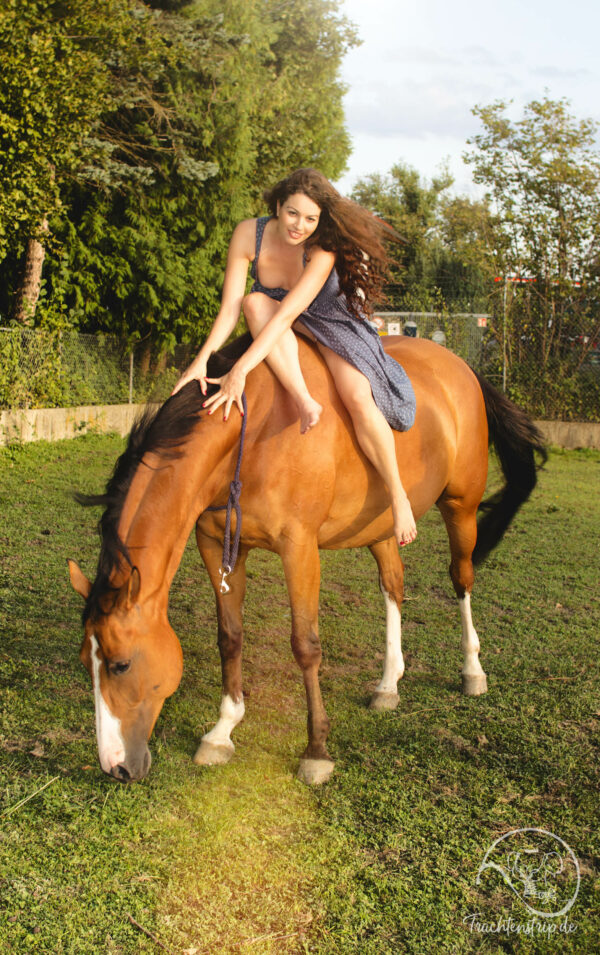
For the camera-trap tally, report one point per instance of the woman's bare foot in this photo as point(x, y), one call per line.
point(310, 412)
point(405, 528)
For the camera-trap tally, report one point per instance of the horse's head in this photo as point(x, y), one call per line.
point(135, 662)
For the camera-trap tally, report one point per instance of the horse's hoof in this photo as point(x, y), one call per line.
point(315, 771)
point(209, 754)
point(474, 685)
point(384, 701)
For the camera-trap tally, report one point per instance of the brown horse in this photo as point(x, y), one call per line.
point(300, 493)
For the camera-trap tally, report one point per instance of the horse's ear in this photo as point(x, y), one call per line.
point(79, 581)
point(129, 592)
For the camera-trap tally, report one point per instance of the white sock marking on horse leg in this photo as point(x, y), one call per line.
point(470, 640)
point(111, 747)
point(393, 666)
point(230, 714)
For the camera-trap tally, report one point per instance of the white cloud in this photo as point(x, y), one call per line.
point(423, 56)
point(423, 67)
point(558, 73)
point(416, 110)
point(435, 105)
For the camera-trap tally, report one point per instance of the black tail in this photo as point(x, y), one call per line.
point(516, 441)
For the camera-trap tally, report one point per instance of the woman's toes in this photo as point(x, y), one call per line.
point(405, 528)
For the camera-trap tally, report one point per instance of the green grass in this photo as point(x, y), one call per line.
point(243, 857)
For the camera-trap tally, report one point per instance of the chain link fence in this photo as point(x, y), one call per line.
point(564, 389)
point(464, 333)
point(41, 369)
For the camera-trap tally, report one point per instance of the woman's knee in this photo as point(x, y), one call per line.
point(363, 411)
point(256, 306)
point(359, 403)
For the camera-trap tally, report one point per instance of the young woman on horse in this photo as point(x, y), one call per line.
point(316, 262)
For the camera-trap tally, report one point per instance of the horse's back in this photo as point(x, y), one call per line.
point(437, 374)
point(448, 442)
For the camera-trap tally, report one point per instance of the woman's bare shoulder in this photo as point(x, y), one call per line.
point(321, 256)
point(246, 228)
point(243, 240)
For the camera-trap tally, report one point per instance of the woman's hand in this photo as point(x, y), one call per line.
point(196, 371)
point(231, 388)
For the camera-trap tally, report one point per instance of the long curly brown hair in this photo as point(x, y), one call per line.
point(345, 228)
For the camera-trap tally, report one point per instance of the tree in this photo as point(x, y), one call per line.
point(439, 264)
point(466, 228)
point(542, 176)
point(299, 117)
point(51, 93)
point(138, 241)
point(198, 107)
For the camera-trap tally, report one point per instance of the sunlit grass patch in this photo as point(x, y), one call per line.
point(240, 849)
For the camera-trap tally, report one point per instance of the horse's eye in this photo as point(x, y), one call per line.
point(119, 668)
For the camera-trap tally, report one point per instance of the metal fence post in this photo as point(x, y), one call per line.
point(504, 369)
point(131, 377)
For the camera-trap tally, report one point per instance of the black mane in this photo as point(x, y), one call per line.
point(160, 431)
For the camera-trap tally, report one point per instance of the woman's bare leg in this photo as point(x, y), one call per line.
point(283, 359)
point(375, 438)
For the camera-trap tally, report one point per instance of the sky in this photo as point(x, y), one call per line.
point(424, 64)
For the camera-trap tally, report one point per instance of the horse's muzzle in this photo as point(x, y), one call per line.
point(130, 771)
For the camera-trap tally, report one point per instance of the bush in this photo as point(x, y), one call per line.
point(54, 369)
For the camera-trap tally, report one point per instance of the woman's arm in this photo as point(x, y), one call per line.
point(295, 302)
point(239, 255)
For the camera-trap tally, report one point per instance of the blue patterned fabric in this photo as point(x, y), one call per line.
point(358, 342)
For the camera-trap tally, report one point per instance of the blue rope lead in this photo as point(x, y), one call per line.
point(230, 550)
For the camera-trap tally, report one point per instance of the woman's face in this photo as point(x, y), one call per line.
point(298, 217)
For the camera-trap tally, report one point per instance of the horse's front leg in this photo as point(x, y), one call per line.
point(216, 746)
point(302, 572)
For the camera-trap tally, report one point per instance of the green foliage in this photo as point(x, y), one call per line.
point(298, 118)
point(30, 370)
point(542, 175)
point(538, 222)
point(53, 88)
point(48, 368)
point(191, 110)
point(556, 392)
point(437, 267)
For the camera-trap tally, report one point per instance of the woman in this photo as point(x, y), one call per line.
point(316, 262)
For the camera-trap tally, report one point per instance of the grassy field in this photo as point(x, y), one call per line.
point(244, 858)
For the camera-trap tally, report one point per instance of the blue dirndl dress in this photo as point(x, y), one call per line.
point(358, 342)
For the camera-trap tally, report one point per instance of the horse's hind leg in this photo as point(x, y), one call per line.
point(302, 572)
point(216, 746)
point(461, 524)
point(391, 584)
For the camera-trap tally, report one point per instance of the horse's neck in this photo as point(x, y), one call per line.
point(167, 495)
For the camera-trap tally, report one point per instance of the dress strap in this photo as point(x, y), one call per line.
point(260, 228)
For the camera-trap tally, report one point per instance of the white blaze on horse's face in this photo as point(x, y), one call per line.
point(135, 662)
point(111, 746)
